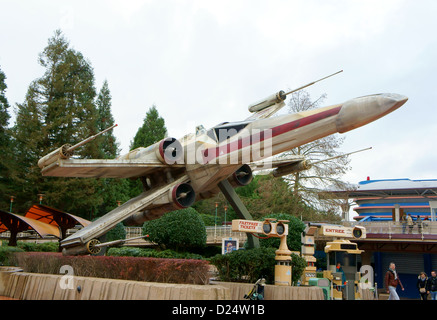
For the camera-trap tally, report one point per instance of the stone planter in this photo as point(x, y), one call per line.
point(35, 286)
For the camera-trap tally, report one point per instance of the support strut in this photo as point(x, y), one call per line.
point(239, 207)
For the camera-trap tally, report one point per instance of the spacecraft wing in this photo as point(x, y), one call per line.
point(103, 168)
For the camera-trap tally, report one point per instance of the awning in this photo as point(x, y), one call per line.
point(16, 223)
point(54, 216)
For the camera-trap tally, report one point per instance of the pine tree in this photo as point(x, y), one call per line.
point(113, 191)
point(107, 142)
point(67, 95)
point(152, 130)
point(29, 146)
point(59, 109)
point(6, 152)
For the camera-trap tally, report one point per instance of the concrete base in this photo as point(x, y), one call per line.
point(271, 292)
point(35, 286)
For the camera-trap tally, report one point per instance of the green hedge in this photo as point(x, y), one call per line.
point(38, 247)
point(126, 268)
point(246, 265)
point(151, 253)
point(6, 255)
point(250, 265)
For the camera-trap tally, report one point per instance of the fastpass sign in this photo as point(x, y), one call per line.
point(247, 226)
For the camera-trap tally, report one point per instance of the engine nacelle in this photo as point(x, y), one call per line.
point(242, 177)
point(168, 151)
point(180, 196)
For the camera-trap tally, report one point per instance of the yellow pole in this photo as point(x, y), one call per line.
point(283, 264)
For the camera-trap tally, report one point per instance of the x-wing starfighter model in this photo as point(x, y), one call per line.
point(177, 172)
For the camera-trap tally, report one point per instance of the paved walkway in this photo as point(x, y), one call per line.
point(6, 298)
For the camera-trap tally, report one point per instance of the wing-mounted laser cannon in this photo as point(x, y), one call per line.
point(292, 168)
point(95, 246)
point(279, 97)
point(67, 150)
point(306, 164)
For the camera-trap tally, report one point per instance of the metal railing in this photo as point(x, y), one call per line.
point(217, 233)
point(213, 234)
point(396, 227)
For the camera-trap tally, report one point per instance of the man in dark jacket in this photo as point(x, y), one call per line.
point(391, 281)
point(433, 285)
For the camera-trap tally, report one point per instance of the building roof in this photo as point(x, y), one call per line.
point(54, 216)
point(390, 187)
point(19, 223)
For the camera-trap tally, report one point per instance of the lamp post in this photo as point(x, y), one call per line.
point(215, 222)
point(226, 210)
point(12, 201)
point(40, 196)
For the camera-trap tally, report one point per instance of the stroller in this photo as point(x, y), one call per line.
point(257, 292)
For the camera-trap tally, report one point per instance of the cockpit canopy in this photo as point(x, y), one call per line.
point(225, 130)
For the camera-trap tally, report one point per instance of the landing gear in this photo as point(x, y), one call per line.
point(91, 246)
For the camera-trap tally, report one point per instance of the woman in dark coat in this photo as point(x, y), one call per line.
point(423, 286)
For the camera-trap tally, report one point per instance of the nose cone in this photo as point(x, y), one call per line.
point(361, 111)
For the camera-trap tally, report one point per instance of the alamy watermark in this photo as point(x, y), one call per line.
point(67, 281)
point(224, 146)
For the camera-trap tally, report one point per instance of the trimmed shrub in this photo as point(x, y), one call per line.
point(125, 268)
point(152, 253)
point(6, 255)
point(41, 247)
point(179, 230)
point(246, 265)
point(250, 265)
point(298, 266)
point(116, 233)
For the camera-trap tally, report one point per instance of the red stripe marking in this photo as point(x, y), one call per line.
point(212, 153)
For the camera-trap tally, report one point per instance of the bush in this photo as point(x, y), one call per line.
point(116, 233)
point(250, 265)
point(151, 253)
point(6, 255)
point(41, 247)
point(298, 266)
point(125, 268)
point(246, 265)
point(179, 230)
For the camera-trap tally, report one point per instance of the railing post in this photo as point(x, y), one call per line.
point(389, 230)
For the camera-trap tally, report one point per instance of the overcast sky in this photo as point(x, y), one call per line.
point(204, 62)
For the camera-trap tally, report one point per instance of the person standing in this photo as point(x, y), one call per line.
point(433, 285)
point(423, 286)
point(410, 224)
point(339, 269)
point(419, 223)
point(391, 282)
point(404, 223)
